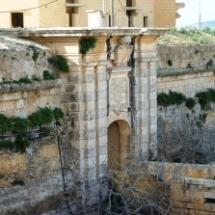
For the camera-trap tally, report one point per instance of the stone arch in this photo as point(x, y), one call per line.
point(118, 136)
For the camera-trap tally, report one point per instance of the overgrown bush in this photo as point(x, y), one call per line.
point(19, 127)
point(209, 64)
point(175, 98)
point(59, 62)
point(169, 62)
point(171, 98)
point(204, 98)
point(190, 103)
point(25, 80)
point(47, 75)
point(87, 43)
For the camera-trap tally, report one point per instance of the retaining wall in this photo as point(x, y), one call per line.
point(186, 69)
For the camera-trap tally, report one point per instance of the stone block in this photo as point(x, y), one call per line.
point(209, 195)
point(153, 129)
point(209, 207)
point(11, 96)
point(20, 104)
point(153, 112)
point(141, 97)
point(153, 95)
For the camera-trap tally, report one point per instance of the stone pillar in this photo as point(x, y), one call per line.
point(88, 114)
point(84, 101)
point(118, 97)
point(146, 95)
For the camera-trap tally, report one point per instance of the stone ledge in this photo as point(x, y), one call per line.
point(81, 32)
point(10, 88)
point(182, 71)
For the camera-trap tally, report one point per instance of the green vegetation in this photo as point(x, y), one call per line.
point(188, 36)
point(87, 43)
point(169, 62)
point(209, 64)
point(25, 80)
point(190, 103)
point(189, 66)
point(18, 182)
point(19, 127)
point(42, 117)
point(174, 98)
point(59, 62)
point(206, 97)
point(47, 75)
point(58, 113)
point(171, 98)
point(36, 52)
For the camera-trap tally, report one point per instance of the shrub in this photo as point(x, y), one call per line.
point(20, 127)
point(190, 103)
point(209, 64)
point(47, 75)
point(212, 94)
point(42, 117)
point(87, 43)
point(6, 124)
point(25, 80)
point(189, 66)
point(204, 98)
point(59, 62)
point(58, 113)
point(172, 98)
point(7, 144)
point(21, 143)
point(169, 62)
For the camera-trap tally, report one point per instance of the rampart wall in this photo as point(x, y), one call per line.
point(27, 178)
point(185, 68)
point(188, 188)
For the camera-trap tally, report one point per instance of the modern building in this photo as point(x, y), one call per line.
point(77, 13)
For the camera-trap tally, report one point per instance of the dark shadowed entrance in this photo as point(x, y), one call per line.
point(118, 133)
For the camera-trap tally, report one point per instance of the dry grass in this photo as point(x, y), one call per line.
point(188, 36)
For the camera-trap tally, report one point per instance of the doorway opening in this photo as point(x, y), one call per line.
point(118, 135)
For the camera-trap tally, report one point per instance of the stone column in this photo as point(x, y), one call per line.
point(88, 135)
point(84, 101)
point(146, 95)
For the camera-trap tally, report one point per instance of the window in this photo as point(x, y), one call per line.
point(145, 21)
point(128, 3)
point(17, 20)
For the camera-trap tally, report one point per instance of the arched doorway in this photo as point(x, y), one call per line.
point(118, 134)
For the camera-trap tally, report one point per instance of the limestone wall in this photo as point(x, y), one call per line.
point(27, 179)
point(185, 69)
point(189, 189)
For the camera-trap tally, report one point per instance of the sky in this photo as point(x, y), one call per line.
point(190, 13)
